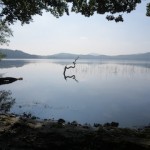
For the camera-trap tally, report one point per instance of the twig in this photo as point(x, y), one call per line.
point(73, 76)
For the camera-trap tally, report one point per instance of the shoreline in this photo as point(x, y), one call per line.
point(28, 132)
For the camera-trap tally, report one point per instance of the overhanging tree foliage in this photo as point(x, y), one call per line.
point(24, 10)
point(148, 10)
point(5, 32)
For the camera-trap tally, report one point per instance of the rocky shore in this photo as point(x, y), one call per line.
point(28, 132)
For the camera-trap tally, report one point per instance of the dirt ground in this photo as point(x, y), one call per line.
point(22, 132)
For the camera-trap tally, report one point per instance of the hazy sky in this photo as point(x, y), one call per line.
point(82, 35)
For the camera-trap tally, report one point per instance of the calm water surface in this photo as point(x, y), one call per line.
point(106, 90)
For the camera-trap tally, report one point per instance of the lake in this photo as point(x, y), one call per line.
point(99, 91)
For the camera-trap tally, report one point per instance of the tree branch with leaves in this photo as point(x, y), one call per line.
point(5, 33)
point(24, 10)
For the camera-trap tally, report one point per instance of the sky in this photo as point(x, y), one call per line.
point(77, 34)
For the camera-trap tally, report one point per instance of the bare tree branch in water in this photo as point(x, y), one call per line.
point(73, 76)
point(74, 63)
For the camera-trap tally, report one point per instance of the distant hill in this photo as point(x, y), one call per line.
point(17, 54)
point(72, 56)
point(144, 56)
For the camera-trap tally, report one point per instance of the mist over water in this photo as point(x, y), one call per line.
point(106, 90)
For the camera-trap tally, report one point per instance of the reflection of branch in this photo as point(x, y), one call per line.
point(73, 76)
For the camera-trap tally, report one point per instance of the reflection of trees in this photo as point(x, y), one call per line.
point(6, 101)
point(13, 63)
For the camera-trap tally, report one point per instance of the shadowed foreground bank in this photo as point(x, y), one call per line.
point(24, 132)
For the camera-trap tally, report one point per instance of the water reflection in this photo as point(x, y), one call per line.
point(108, 91)
point(10, 63)
point(6, 101)
point(108, 69)
point(145, 64)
